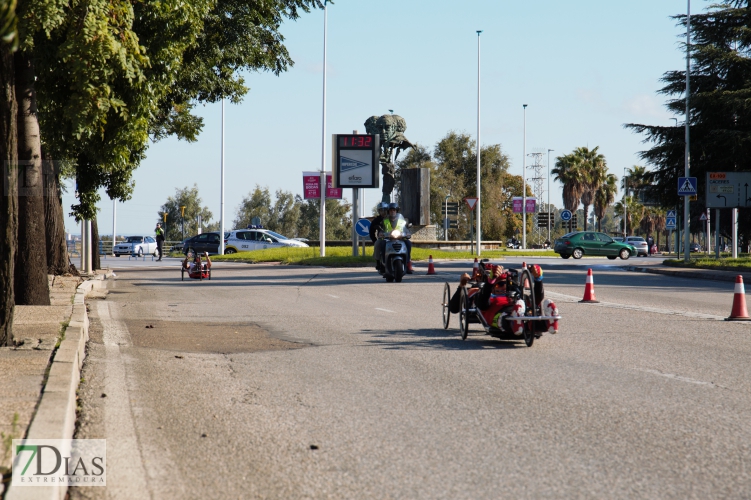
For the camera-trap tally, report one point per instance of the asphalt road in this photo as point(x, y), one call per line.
point(297, 382)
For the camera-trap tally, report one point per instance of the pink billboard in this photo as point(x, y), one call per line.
point(312, 186)
point(518, 202)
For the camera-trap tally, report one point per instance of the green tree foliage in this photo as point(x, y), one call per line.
point(720, 117)
point(188, 198)
point(338, 219)
point(604, 197)
point(569, 173)
point(453, 173)
point(256, 204)
point(634, 212)
point(114, 72)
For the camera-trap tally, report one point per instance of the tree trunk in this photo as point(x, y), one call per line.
point(8, 199)
point(95, 263)
point(54, 222)
point(30, 276)
point(586, 212)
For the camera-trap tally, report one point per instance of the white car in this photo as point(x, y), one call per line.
point(255, 238)
point(136, 245)
point(642, 249)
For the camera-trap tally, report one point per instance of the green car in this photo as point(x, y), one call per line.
point(582, 243)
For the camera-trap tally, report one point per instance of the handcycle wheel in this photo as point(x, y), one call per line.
point(209, 273)
point(528, 296)
point(182, 273)
point(446, 310)
point(464, 314)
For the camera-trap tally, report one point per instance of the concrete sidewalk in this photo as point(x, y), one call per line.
point(40, 374)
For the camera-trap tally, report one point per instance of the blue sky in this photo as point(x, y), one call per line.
point(584, 67)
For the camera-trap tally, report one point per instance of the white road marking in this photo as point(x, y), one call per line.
point(678, 377)
point(568, 298)
point(126, 475)
point(384, 310)
point(332, 295)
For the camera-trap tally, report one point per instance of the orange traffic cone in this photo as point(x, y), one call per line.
point(589, 289)
point(739, 312)
point(409, 267)
point(431, 269)
point(475, 267)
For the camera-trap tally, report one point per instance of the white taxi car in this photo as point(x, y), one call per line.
point(257, 238)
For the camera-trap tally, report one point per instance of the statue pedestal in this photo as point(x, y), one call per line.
point(423, 233)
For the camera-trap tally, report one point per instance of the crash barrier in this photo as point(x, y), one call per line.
point(739, 311)
point(589, 289)
point(431, 245)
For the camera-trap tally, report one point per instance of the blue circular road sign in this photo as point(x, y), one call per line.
point(363, 228)
point(566, 215)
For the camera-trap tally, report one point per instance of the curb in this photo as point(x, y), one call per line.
point(55, 417)
point(707, 274)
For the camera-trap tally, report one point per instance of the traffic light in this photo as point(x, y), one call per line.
point(450, 208)
point(165, 217)
point(182, 211)
point(542, 219)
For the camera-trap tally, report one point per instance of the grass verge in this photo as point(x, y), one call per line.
point(725, 263)
point(342, 256)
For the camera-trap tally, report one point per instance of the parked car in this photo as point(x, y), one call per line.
point(205, 242)
point(246, 240)
point(694, 247)
point(580, 243)
point(642, 248)
point(136, 245)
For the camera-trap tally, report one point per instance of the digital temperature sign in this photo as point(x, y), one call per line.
point(355, 160)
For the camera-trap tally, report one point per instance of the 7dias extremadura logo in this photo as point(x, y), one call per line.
point(47, 462)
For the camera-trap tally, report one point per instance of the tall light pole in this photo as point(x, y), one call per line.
point(549, 150)
point(114, 224)
point(686, 199)
point(322, 223)
point(479, 199)
point(524, 183)
point(221, 201)
point(676, 121)
point(625, 208)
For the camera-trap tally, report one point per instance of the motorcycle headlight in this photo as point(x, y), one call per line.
point(396, 233)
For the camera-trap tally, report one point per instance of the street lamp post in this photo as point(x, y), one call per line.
point(625, 206)
point(549, 150)
point(322, 223)
point(686, 199)
point(524, 183)
point(479, 200)
point(221, 201)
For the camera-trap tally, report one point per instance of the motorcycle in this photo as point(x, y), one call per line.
point(514, 244)
point(394, 257)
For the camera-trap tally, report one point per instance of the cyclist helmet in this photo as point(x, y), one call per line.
point(394, 206)
point(383, 208)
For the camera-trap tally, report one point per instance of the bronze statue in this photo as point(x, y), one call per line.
point(391, 129)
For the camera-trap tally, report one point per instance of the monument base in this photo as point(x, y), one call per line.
point(423, 233)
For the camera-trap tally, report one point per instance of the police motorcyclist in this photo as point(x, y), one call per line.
point(394, 221)
point(375, 226)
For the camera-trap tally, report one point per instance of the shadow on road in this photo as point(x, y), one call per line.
point(434, 338)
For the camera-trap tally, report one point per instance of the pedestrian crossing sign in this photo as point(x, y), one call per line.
point(686, 186)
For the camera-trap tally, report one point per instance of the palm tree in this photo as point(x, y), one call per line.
point(605, 196)
point(568, 172)
point(634, 211)
point(637, 179)
point(594, 171)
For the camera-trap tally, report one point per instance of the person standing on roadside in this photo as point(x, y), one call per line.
point(159, 239)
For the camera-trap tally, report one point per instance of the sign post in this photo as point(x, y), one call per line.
point(687, 189)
